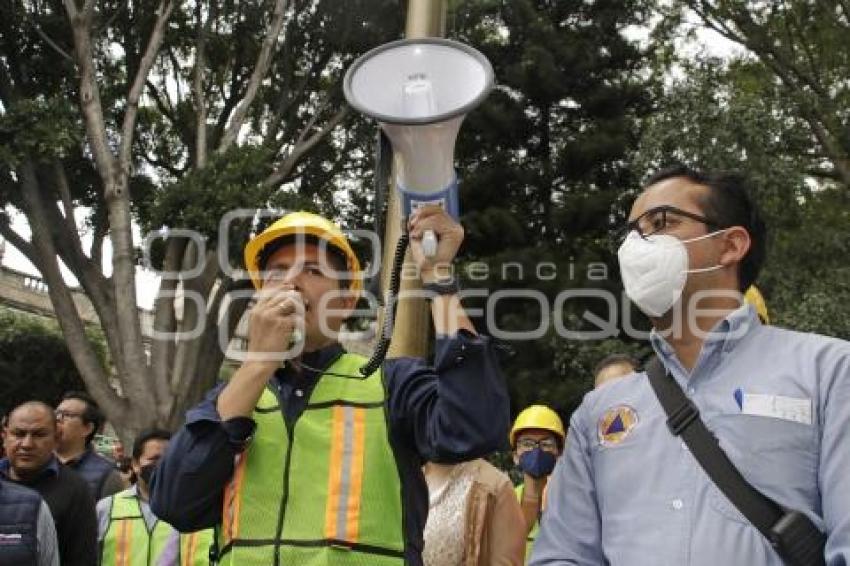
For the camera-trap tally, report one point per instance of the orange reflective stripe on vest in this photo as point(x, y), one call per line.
point(124, 544)
point(233, 500)
point(189, 545)
point(342, 510)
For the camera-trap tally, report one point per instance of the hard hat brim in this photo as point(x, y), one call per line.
point(255, 246)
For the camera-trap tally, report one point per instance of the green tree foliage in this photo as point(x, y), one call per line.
point(803, 46)
point(543, 166)
point(170, 114)
point(794, 74)
point(34, 361)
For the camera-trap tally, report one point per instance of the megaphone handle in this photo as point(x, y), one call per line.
point(295, 338)
point(429, 243)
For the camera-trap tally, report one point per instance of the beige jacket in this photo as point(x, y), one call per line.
point(495, 528)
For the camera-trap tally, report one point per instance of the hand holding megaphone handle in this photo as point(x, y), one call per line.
point(432, 227)
point(295, 338)
point(429, 244)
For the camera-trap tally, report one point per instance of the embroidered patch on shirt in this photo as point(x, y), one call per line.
point(616, 424)
point(798, 410)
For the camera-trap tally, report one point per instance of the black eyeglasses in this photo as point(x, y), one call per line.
point(61, 415)
point(546, 444)
point(658, 219)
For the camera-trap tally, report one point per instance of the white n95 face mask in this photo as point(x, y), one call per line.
point(654, 270)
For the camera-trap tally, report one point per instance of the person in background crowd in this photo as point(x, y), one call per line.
point(30, 441)
point(472, 516)
point(78, 420)
point(629, 491)
point(124, 464)
point(117, 451)
point(27, 532)
point(311, 462)
point(127, 524)
point(537, 441)
point(614, 366)
point(125, 468)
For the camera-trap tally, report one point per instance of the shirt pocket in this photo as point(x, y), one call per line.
point(778, 457)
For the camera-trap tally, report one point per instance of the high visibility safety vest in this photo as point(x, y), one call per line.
point(128, 542)
point(323, 491)
point(532, 534)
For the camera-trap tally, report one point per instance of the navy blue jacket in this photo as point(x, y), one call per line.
point(19, 508)
point(96, 470)
point(455, 411)
point(72, 507)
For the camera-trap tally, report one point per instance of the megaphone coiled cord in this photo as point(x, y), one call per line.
point(383, 344)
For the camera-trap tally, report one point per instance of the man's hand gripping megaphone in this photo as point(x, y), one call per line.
point(449, 236)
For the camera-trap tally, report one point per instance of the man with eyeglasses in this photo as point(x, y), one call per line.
point(630, 492)
point(537, 439)
point(29, 438)
point(78, 420)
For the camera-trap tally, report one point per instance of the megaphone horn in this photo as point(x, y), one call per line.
point(419, 90)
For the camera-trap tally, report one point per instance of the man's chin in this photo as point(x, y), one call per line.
point(28, 467)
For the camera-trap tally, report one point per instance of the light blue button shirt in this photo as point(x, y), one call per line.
point(627, 492)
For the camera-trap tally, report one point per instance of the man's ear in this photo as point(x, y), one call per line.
point(89, 429)
point(737, 243)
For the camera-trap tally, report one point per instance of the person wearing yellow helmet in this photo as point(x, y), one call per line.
point(537, 440)
point(310, 462)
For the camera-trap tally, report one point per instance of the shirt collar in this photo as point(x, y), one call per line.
point(52, 467)
point(317, 360)
point(78, 461)
point(132, 491)
point(726, 334)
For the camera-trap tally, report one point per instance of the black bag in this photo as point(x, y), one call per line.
point(793, 535)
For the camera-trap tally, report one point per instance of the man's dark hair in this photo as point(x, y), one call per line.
point(614, 359)
point(146, 436)
point(729, 203)
point(335, 256)
point(92, 413)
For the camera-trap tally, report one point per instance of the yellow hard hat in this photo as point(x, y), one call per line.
point(302, 223)
point(537, 416)
point(753, 296)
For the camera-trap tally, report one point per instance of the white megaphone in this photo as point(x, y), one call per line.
point(419, 90)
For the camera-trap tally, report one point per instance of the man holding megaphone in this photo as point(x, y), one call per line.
point(311, 462)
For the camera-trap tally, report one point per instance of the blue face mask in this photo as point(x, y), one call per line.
point(537, 463)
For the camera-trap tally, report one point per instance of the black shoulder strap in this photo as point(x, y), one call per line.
point(683, 420)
